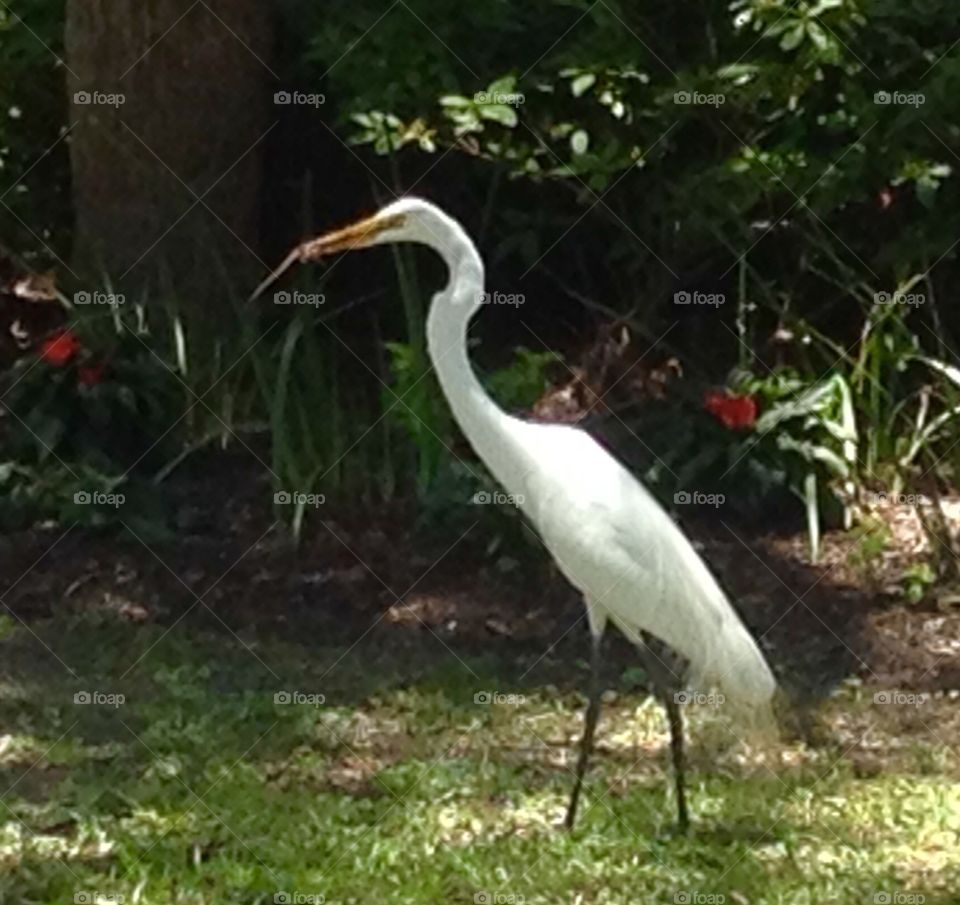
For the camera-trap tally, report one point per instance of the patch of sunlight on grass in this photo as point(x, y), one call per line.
point(203, 789)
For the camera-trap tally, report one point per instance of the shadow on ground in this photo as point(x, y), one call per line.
point(229, 711)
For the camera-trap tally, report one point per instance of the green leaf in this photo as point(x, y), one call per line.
point(499, 113)
point(455, 100)
point(927, 192)
point(778, 27)
point(579, 142)
point(505, 85)
point(823, 6)
point(598, 182)
point(817, 35)
point(814, 452)
point(947, 370)
point(737, 71)
point(582, 84)
point(793, 38)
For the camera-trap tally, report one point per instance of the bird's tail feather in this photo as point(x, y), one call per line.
point(732, 663)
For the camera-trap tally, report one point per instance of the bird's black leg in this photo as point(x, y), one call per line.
point(675, 718)
point(665, 686)
point(589, 726)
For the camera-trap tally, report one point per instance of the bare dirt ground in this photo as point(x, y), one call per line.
point(401, 631)
point(231, 566)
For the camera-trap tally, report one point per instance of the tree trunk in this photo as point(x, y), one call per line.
point(169, 105)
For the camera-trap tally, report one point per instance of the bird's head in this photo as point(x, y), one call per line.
point(406, 220)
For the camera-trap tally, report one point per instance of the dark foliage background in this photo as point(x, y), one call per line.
point(794, 162)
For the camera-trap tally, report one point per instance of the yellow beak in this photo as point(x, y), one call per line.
point(357, 235)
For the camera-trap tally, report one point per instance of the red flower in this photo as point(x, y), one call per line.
point(59, 348)
point(90, 375)
point(732, 411)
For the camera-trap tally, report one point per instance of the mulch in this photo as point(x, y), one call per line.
point(235, 568)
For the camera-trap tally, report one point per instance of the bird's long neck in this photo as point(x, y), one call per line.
point(489, 429)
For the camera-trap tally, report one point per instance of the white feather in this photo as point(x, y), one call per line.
point(609, 536)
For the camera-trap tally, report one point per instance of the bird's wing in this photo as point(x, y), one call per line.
point(615, 543)
point(686, 606)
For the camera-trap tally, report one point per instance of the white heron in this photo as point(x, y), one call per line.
point(608, 535)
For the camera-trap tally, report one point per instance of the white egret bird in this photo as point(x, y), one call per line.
point(608, 535)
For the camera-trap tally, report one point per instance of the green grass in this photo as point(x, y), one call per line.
point(201, 788)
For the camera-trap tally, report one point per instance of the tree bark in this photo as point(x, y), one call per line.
point(169, 107)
